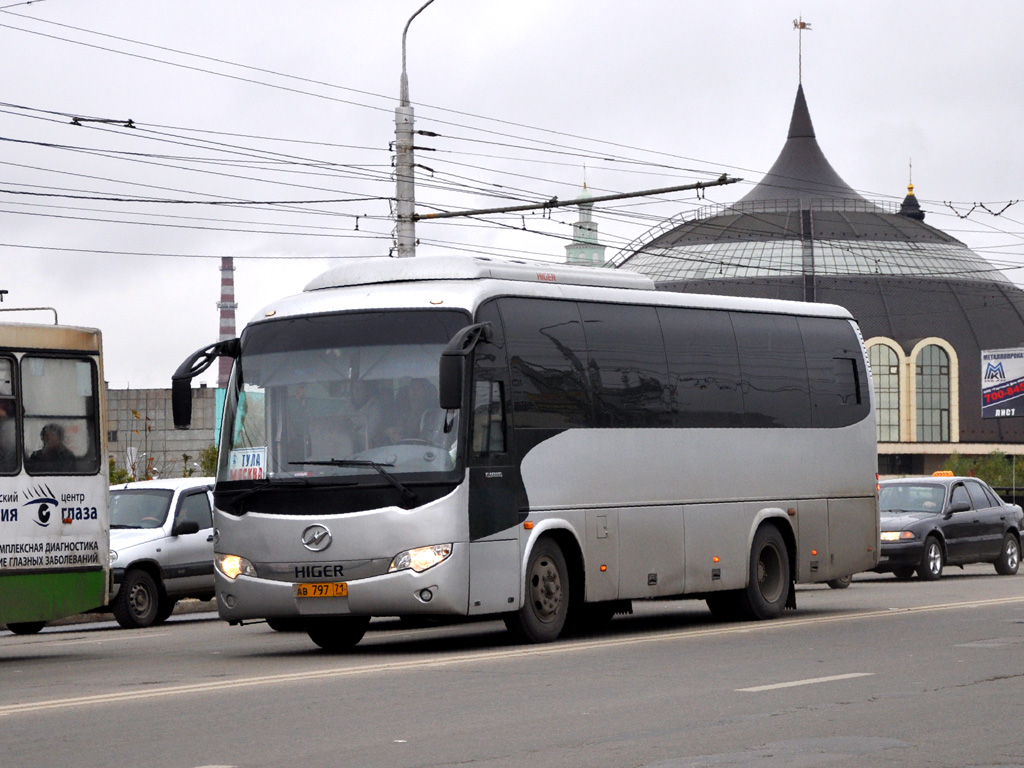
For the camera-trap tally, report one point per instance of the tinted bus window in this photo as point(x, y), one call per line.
point(835, 370)
point(547, 358)
point(703, 368)
point(626, 363)
point(775, 391)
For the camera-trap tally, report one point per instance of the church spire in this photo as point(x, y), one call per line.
point(584, 248)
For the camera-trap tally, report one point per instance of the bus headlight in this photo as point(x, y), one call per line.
point(896, 535)
point(421, 558)
point(233, 566)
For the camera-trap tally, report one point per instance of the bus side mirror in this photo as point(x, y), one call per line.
point(449, 381)
point(196, 363)
point(452, 369)
point(181, 403)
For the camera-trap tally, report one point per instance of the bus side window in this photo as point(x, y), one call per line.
point(488, 418)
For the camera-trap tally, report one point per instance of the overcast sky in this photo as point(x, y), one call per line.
point(275, 105)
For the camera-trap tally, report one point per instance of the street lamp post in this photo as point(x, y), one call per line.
point(405, 192)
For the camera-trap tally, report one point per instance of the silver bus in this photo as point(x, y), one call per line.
point(470, 437)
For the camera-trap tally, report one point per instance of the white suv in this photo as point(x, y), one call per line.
point(161, 547)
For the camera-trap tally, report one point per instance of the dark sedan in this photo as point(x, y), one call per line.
point(931, 522)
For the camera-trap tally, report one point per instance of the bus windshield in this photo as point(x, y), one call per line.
point(348, 397)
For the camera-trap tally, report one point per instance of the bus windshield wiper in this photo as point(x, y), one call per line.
point(266, 485)
point(408, 497)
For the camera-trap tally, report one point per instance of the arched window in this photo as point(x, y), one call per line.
point(885, 370)
point(932, 371)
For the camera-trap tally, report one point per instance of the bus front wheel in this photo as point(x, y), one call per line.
point(337, 634)
point(546, 601)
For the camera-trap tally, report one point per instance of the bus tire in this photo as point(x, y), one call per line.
point(770, 579)
point(337, 634)
point(138, 601)
point(547, 595)
point(26, 627)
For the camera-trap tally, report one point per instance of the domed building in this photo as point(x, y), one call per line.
point(927, 305)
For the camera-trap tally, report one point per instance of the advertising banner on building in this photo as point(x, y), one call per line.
point(1002, 383)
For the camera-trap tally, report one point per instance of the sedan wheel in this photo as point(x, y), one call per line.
point(1009, 556)
point(931, 566)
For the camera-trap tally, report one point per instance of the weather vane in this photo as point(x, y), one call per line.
point(800, 25)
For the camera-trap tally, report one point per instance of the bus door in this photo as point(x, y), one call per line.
point(497, 498)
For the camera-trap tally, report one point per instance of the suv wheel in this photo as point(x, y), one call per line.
point(137, 603)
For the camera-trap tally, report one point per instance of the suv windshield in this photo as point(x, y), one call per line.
point(139, 508)
point(341, 397)
point(905, 497)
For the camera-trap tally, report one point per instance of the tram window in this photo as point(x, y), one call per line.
point(60, 416)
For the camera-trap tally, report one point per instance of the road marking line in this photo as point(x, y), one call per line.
point(808, 681)
point(472, 657)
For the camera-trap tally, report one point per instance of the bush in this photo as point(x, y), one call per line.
point(996, 468)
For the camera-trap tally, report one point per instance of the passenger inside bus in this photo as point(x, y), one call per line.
point(417, 415)
point(54, 456)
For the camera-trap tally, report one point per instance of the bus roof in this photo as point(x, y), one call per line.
point(35, 336)
point(464, 282)
point(374, 271)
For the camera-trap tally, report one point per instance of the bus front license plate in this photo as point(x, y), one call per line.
point(332, 589)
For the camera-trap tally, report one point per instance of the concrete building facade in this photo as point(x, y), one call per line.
point(141, 437)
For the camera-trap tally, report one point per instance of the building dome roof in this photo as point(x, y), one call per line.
point(802, 233)
point(802, 201)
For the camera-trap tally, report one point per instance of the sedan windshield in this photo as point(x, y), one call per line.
point(340, 396)
point(907, 497)
point(139, 508)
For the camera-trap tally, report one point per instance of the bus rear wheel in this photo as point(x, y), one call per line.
point(339, 633)
point(546, 600)
point(769, 585)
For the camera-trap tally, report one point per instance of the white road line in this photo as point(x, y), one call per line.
point(522, 652)
point(808, 681)
point(102, 640)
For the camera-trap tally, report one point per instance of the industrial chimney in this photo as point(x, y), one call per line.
point(227, 307)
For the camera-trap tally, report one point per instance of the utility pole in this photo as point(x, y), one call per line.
point(405, 182)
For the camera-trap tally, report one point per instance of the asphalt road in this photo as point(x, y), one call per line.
point(885, 673)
